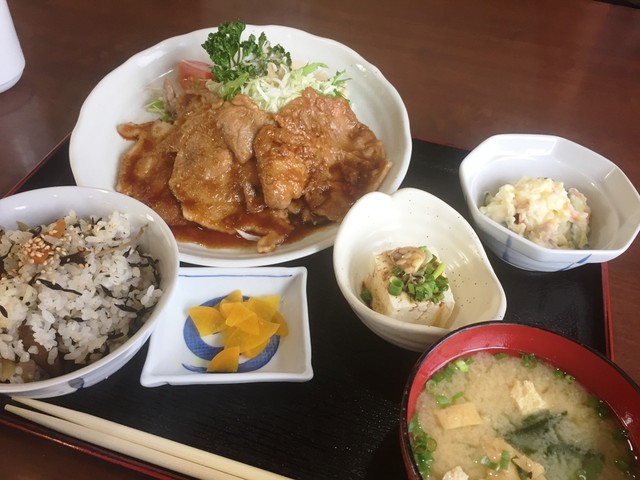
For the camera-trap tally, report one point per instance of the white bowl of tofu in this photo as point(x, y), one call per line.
point(382, 227)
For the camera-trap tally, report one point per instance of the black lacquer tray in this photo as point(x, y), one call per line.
point(344, 422)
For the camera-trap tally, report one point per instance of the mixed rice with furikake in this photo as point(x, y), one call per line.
point(70, 293)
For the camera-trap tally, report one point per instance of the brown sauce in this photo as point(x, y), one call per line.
point(194, 233)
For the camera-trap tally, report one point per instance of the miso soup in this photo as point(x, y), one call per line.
point(497, 416)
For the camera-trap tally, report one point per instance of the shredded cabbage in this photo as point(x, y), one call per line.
point(281, 84)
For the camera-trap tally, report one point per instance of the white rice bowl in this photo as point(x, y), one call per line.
point(94, 309)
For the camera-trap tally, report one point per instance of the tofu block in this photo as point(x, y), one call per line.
point(403, 307)
point(455, 474)
point(527, 397)
point(459, 415)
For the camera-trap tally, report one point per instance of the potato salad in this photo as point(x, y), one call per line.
point(543, 211)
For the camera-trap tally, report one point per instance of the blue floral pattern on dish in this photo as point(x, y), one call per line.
point(201, 349)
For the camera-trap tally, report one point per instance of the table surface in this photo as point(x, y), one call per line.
point(466, 71)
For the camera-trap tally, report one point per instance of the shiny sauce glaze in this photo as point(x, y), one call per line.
point(194, 233)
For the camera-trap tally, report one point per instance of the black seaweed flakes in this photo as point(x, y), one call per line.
point(115, 335)
point(78, 258)
point(126, 308)
point(3, 270)
point(56, 287)
point(35, 231)
point(106, 291)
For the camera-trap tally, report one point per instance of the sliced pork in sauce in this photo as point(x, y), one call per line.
point(229, 166)
point(216, 187)
point(319, 151)
point(146, 167)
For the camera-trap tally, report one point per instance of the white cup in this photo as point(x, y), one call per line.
point(11, 57)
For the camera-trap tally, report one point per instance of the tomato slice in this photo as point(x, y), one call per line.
point(193, 73)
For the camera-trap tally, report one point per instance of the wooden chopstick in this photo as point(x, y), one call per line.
point(135, 443)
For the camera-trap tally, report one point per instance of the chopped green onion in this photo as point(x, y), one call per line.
point(427, 284)
point(439, 376)
point(486, 461)
point(622, 464)
point(462, 365)
point(621, 434)
point(366, 296)
point(450, 371)
point(442, 401)
point(599, 406)
point(457, 396)
point(505, 460)
point(395, 287)
point(422, 445)
point(439, 270)
point(529, 360)
point(500, 355)
point(432, 444)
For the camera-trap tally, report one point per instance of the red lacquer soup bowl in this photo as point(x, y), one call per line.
point(599, 375)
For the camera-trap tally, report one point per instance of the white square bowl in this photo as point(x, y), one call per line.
point(613, 199)
point(170, 360)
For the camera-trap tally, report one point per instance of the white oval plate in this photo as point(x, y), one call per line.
point(96, 147)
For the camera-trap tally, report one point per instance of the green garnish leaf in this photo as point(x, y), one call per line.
point(236, 60)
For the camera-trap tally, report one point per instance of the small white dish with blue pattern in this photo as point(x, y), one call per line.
point(178, 355)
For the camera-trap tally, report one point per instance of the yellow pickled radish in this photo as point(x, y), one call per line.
point(254, 352)
point(233, 297)
point(226, 361)
point(208, 320)
point(264, 307)
point(283, 330)
point(239, 316)
point(246, 327)
point(246, 341)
